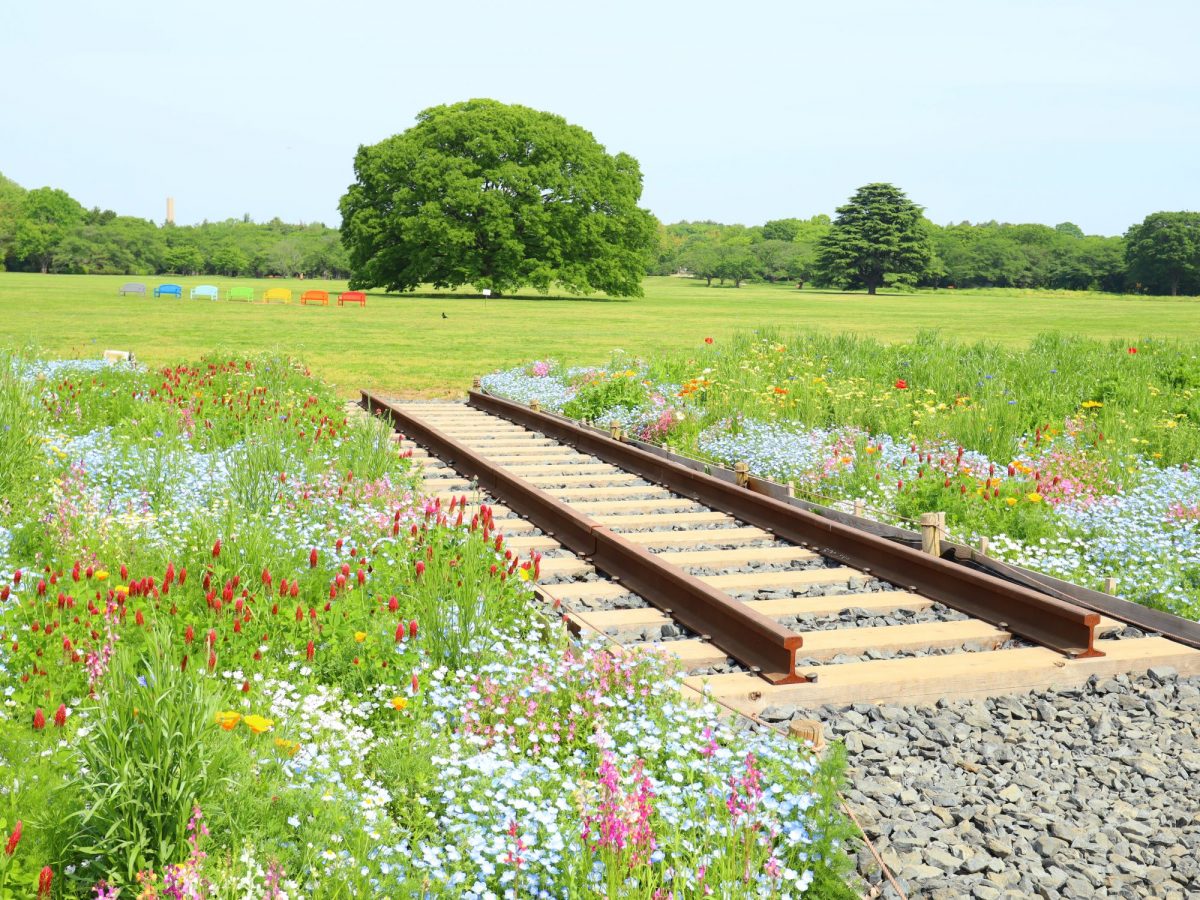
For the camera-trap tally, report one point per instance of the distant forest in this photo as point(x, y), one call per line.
point(990, 254)
point(47, 230)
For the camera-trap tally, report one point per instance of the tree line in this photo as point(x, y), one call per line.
point(47, 230)
point(1160, 255)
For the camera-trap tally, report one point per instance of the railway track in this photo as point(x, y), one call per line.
point(763, 603)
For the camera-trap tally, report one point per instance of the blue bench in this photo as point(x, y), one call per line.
point(132, 287)
point(204, 290)
point(173, 289)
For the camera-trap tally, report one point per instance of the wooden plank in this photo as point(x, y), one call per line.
point(925, 680)
point(596, 507)
point(539, 456)
point(567, 480)
point(438, 485)
point(825, 645)
point(663, 520)
point(531, 542)
point(877, 602)
point(738, 557)
point(692, 653)
point(560, 566)
point(787, 578)
point(527, 469)
point(569, 494)
point(716, 536)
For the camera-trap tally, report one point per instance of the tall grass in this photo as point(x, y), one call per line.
point(151, 756)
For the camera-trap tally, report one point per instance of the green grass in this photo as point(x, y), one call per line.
point(401, 343)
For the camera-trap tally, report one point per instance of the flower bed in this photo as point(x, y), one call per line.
point(242, 656)
point(1078, 458)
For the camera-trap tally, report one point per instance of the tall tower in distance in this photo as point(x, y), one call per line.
point(171, 210)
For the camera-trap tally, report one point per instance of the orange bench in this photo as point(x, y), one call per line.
point(308, 297)
point(352, 297)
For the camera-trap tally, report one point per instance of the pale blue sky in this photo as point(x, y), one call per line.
point(1025, 110)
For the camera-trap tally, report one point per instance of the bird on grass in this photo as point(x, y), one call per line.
point(444, 316)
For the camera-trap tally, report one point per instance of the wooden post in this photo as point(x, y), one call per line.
point(476, 383)
point(808, 731)
point(614, 428)
point(983, 546)
point(932, 525)
point(860, 507)
point(1110, 585)
point(741, 473)
point(791, 489)
point(535, 405)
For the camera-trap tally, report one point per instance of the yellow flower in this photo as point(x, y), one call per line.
point(228, 720)
point(399, 703)
point(1034, 497)
point(870, 450)
point(258, 724)
point(1011, 501)
point(360, 636)
point(523, 574)
point(291, 748)
point(1091, 404)
point(101, 574)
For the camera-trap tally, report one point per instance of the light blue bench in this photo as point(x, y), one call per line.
point(132, 287)
point(173, 289)
point(204, 290)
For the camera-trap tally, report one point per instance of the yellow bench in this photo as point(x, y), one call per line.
point(283, 294)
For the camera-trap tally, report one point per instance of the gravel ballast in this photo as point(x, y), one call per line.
point(1088, 792)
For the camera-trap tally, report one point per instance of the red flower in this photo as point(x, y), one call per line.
point(416, 684)
point(44, 880)
point(189, 634)
point(266, 578)
point(708, 340)
point(217, 548)
point(60, 716)
point(420, 568)
point(310, 651)
point(901, 384)
point(312, 558)
point(393, 603)
point(399, 632)
point(13, 839)
point(412, 628)
point(1132, 350)
point(39, 719)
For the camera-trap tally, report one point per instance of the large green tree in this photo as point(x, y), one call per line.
point(46, 217)
point(498, 197)
point(879, 236)
point(1163, 252)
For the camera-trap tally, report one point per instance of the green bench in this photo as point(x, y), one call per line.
point(241, 293)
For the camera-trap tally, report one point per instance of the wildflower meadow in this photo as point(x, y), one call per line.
point(242, 656)
point(1072, 456)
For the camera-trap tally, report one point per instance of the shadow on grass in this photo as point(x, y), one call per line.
point(448, 295)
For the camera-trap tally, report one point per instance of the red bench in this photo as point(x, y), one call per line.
point(352, 297)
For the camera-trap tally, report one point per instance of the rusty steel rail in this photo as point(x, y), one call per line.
point(753, 639)
point(1037, 617)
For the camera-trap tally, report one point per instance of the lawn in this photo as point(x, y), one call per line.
point(433, 343)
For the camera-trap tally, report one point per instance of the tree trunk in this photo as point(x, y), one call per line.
point(871, 289)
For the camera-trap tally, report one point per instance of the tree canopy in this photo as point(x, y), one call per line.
point(498, 197)
point(879, 236)
point(1163, 252)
